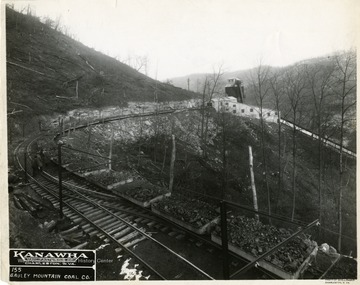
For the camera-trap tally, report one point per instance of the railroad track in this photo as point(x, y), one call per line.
point(326, 142)
point(115, 220)
point(111, 220)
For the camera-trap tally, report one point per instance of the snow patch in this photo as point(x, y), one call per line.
point(131, 273)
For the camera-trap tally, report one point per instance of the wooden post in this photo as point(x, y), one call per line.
point(60, 129)
point(77, 89)
point(253, 182)
point(60, 180)
point(172, 164)
point(224, 241)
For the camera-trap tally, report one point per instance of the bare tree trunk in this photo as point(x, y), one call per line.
point(164, 159)
point(341, 172)
point(141, 133)
point(279, 162)
point(224, 153)
point(264, 159)
point(320, 167)
point(203, 116)
point(294, 169)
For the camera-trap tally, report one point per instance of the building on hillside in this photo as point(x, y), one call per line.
point(234, 88)
point(231, 105)
point(234, 103)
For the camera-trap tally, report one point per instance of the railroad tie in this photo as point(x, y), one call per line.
point(102, 219)
point(135, 241)
point(93, 233)
point(122, 233)
point(80, 246)
point(128, 237)
point(77, 220)
point(116, 229)
point(113, 227)
point(102, 237)
point(94, 214)
point(87, 227)
point(71, 230)
point(107, 222)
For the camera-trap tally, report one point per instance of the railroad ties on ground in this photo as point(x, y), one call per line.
point(112, 222)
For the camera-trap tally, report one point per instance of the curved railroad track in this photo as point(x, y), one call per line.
point(118, 221)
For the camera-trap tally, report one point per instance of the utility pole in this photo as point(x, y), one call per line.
point(60, 179)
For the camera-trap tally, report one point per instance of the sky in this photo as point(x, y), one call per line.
point(181, 37)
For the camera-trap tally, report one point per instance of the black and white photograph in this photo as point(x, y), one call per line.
point(179, 140)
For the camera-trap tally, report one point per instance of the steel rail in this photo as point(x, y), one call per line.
point(158, 217)
point(100, 229)
point(144, 234)
point(113, 207)
point(121, 117)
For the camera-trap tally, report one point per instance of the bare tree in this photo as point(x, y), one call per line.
point(295, 81)
point(277, 89)
point(138, 62)
point(260, 86)
point(345, 89)
point(318, 79)
point(211, 87)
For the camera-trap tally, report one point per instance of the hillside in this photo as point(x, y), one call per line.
point(317, 82)
point(203, 174)
point(48, 72)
